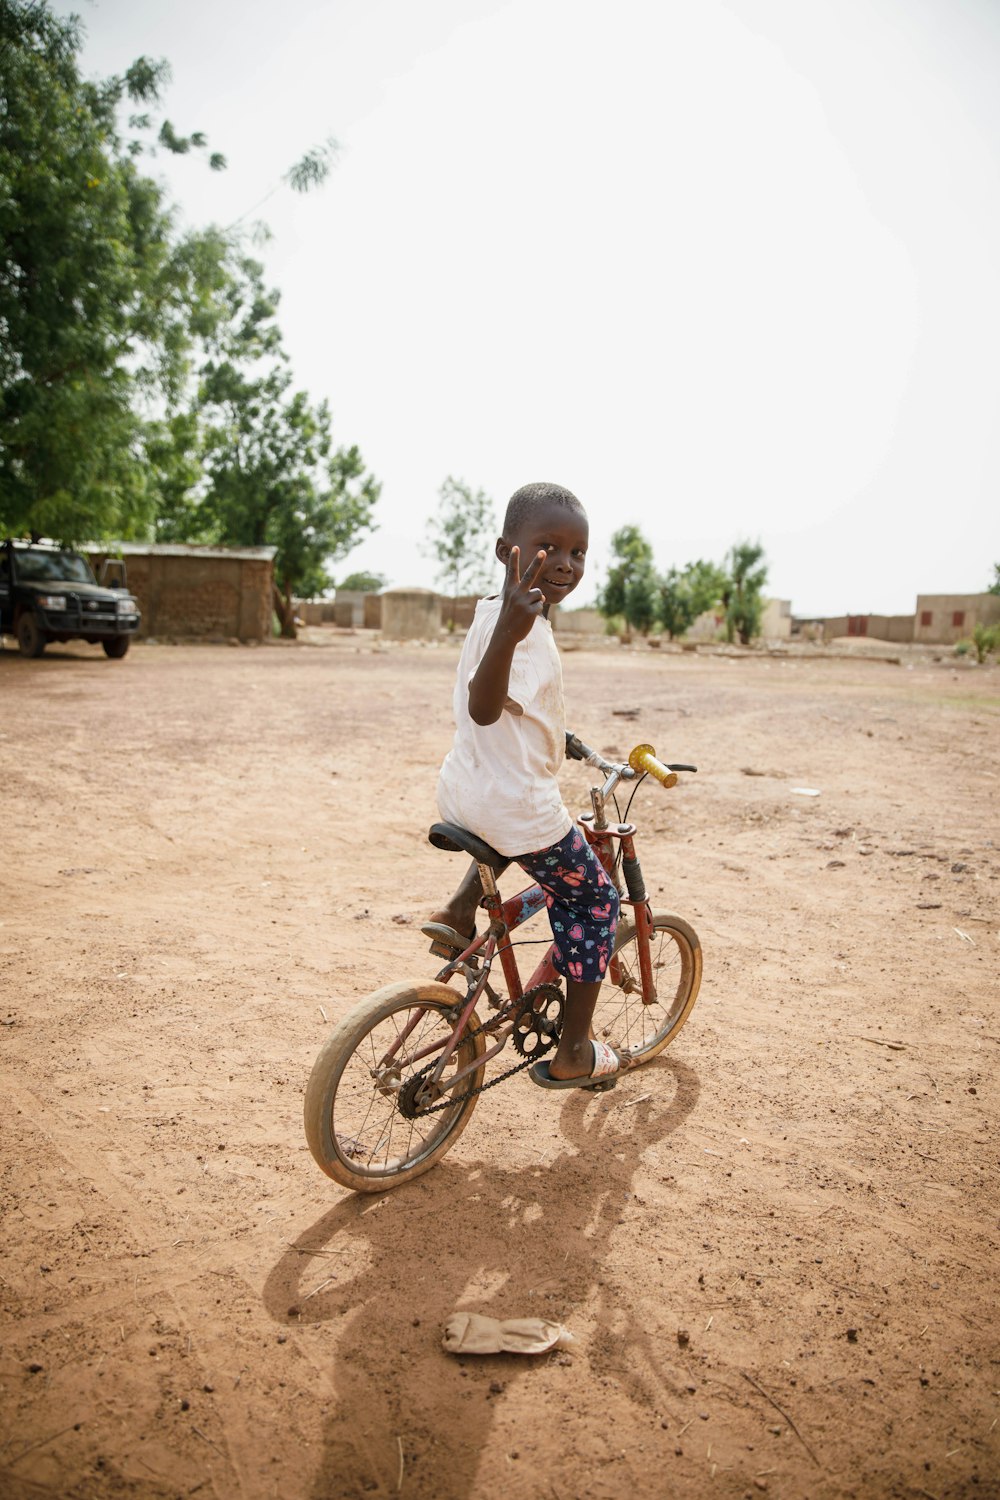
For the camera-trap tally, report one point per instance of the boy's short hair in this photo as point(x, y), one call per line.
point(530, 496)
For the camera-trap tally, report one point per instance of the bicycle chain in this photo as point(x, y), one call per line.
point(433, 1109)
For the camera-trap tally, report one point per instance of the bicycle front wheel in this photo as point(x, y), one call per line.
point(644, 1025)
point(364, 1097)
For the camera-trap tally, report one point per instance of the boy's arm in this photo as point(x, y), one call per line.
point(521, 605)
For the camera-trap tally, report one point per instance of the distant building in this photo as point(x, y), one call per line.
point(939, 620)
point(942, 619)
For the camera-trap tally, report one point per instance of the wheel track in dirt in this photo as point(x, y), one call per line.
point(210, 1352)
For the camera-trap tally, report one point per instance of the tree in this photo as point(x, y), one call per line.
point(994, 587)
point(642, 598)
point(272, 474)
point(363, 583)
point(684, 595)
point(633, 556)
point(742, 594)
point(462, 534)
point(94, 293)
point(143, 388)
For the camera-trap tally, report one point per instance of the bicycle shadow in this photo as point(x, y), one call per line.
point(477, 1236)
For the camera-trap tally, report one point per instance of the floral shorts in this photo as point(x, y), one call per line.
point(582, 904)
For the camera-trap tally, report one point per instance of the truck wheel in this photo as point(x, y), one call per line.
point(116, 646)
point(30, 639)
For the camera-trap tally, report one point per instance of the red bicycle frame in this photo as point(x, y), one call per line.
point(505, 918)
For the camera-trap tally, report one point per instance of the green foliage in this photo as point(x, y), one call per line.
point(93, 291)
point(994, 587)
point(273, 477)
point(143, 387)
point(634, 592)
point(461, 538)
point(985, 638)
point(685, 594)
point(742, 594)
point(642, 598)
point(363, 583)
point(314, 167)
point(633, 556)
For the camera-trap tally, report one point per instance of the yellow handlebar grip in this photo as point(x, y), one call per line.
point(643, 758)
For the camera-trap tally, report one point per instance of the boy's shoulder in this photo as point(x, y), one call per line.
point(486, 610)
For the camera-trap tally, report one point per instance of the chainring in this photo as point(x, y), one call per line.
point(539, 1020)
point(419, 1097)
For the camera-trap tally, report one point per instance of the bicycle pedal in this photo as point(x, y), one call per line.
point(442, 950)
point(602, 1088)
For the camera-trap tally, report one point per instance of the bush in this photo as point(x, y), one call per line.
point(985, 638)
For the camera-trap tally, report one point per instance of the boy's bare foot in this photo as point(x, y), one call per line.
point(464, 923)
point(459, 913)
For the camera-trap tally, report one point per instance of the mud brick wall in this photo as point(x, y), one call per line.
point(207, 595)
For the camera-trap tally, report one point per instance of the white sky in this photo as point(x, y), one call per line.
point(727, 270)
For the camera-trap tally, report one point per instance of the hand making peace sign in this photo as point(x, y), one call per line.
point(522, 601)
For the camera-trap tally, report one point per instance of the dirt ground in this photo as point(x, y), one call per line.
point(209, 854)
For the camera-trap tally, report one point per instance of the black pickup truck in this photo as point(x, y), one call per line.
point(49, 593)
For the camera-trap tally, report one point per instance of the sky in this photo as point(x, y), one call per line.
point(725, 268)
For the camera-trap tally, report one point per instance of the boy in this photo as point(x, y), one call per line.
point(499, 779)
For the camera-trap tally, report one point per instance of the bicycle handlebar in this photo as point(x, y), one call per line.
point(643, 758)
point(641, 761)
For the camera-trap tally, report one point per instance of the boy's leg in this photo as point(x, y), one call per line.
point(460, 911)
point(574, 1056)
point(583, 911)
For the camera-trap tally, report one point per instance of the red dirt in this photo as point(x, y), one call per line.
point(207, 849)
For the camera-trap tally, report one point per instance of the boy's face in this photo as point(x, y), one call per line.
point(562, 533)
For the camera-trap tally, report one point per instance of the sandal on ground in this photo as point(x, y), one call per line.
point(445, 941)
point(608, 1064)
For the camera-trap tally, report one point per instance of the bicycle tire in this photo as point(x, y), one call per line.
point(622, 1017)
point(356, 1131)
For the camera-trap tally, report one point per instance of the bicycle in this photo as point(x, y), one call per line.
point(398, 1078)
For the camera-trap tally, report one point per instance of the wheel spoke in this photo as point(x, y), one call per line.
point(373, 1137)
point(621, 1015)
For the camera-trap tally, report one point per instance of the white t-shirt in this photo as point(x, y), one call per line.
point(499, 780)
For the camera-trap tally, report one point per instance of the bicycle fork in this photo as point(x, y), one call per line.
point(599, 835)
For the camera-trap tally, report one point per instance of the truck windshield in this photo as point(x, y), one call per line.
point(36, 566)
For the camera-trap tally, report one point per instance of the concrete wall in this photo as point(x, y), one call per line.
point(775, 623)
point(776, 620)
point(942, 619)
point(577, 621)
point(349, 608)
point(461, 610)
point(896, 628)
point(411, 614)
point(210, 592)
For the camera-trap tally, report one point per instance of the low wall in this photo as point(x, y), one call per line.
point(577, 621)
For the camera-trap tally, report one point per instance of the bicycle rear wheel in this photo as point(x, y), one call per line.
point(362, 1119)
point(645, 1027)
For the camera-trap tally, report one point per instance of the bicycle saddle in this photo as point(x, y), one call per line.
point(455, 840)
